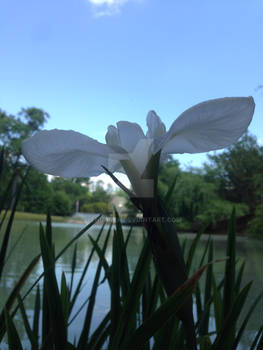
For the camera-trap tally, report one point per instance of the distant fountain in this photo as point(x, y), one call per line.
point(77, 206)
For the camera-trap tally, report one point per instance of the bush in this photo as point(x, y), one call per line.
point(61, 204)
point(219, 209)
point(96, 207)
point(255, 226)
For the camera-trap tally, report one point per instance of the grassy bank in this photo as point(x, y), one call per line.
point(38, 217)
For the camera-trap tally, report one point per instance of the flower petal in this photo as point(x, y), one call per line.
point(155, 126)
point(130, 134)
point(66, 153)
point(141, 154)
point(112, 136)
point(210, 125)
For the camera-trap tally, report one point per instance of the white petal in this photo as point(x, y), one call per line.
point(130, 134)
point(155, 126)
point(112, 136)
point(210, 125)
point(117, 152)
point(66, 153)
point(141, 154)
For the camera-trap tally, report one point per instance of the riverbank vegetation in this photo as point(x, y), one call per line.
point(19, 215)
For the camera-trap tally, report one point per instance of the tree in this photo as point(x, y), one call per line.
point(237, 171)
point(73, 189)
point(14, 129)
point(37, 193)
point(61, 204)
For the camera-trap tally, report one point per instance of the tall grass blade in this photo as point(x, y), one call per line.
point(192, 250)
point(218, 304)
point(55, 310)
point(6, 238)
point(78, 235)
point(7, 198)
point(257, 337)
point(239, 277)
point(65, 298)
point(115, 286)
point(98, 333)
point(162, 314)
point(124, 269)
point(229, 287)
point(49, 230)
point(88, 317)
point(36, 314)
point(12, 335)
point(73, 267)
point(14, 293)
point(131, 303)
point(30, 334)
point(203, 330)
point(80, 282)
point(244, 323)
point(107, 268)
point(224, 338)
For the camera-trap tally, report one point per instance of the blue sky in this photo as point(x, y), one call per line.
point(91, 63)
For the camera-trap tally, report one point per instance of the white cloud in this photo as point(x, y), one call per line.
point(106, 7)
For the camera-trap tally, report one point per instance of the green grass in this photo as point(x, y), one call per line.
point(40, 217)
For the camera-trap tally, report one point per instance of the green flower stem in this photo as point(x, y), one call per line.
point(168, 259)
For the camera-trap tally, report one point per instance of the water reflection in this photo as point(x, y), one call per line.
point(28, 247)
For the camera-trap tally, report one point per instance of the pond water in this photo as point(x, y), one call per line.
point(28, 246)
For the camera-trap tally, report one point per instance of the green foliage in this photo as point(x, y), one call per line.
point(9, 199)
point(14, 129)
point(219, 209)
point(232, 178)
point(255, 227)
point(193, 198)
point(237, 170)
point(72, 188)
point(95, 207)
point(61, 204)
point(99, 195)
point(37, 194)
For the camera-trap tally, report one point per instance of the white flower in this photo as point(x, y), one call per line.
point(210, 125)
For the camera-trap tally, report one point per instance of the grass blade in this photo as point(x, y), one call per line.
point(55, 311)
point(244, 323)
point(12, 335)
point(203, 330)
point(125, 325)
point(30, 334)
point(36, 314)
point(87, 323)
point(80, 282)
point(224, 339)
point(13, 295)
point(78, 235)
point(172, 305)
